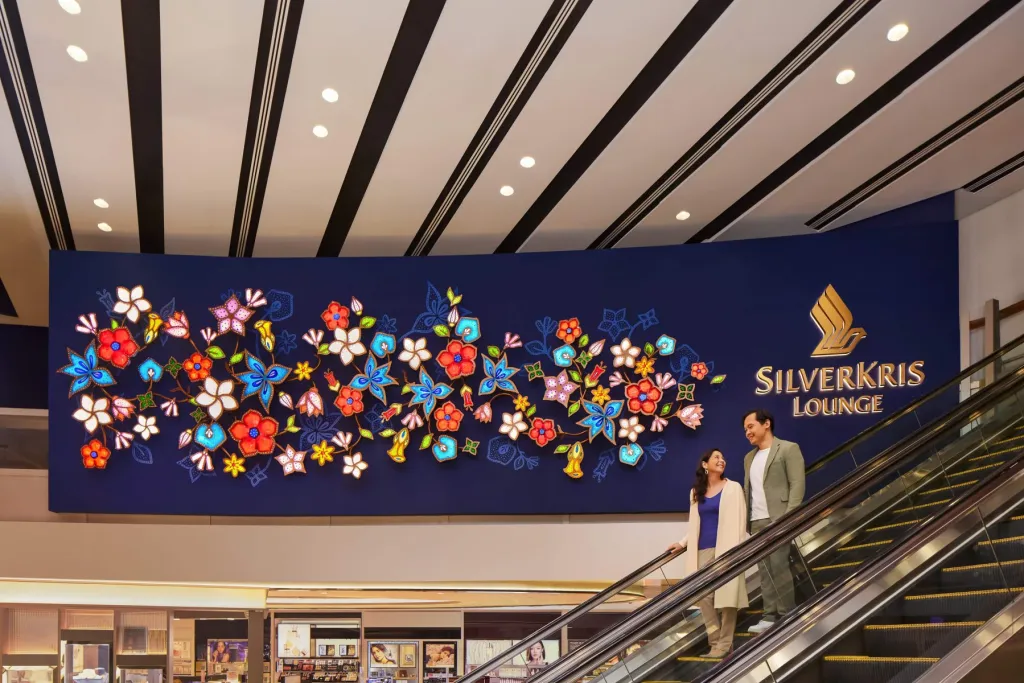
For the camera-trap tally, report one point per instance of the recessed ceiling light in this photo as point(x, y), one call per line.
point(898, 32)
point(77, 53)
point(527, 162)
point(70, 6)
point(330, 94)
point(845, 76)
point(507, 190)
point(319, 131)
point(104, 227)
point(682, 215)
point(102, 203)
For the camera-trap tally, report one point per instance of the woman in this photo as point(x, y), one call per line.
point(535, 656)
point(718, 517)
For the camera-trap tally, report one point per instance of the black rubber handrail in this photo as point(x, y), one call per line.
point(663, 611)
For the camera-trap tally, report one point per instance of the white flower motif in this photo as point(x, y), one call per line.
point(355, 465)
point(292, 461)
point(342, 439)
point(123, 440)
point(313, 337)
point(170, 408)
point(92, 413)
point(664, 380)
point(185, 438)
point(131, 303)
point(512, 424)
point(625, 353)
point(216, 397)
point(414, 352)
point(346, 344)
point(615, 379)
point(87, 324)
point(630, 428)
point(356, 306)
point(208, 335)
point(146, 427)
point(413, 420)
point(285, 400)
point(658, 424)
point(254, 298)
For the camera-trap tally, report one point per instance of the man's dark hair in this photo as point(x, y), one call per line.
point(762, 416)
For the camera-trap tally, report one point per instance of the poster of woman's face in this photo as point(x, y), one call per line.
point(383, 654)
point(227, 651)
point(439, 655)
point(540, 654)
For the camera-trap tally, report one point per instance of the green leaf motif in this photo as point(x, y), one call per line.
point(366, 433)
point(406, 389)
point(584, 340)
point(666, 409)
point(215, 352)
point(584, 358)
point(685, 392)
point(441, 330)
point(531, 412)
point(425, 442)
point(471, 446)
point(294, 429)
point(649, 349)
point(573, 408)
point(236, 359)
point(493, 351)
point(534, 371)
point(575, 376)
point(564, 448)
point(291, 421)
point(173, 367)
point(718, 379)
point(367, 321)
point(323, 349)
point(451, 295)
point(145, 400)
point(387, 433)
point(114, 324)
point(198, 415)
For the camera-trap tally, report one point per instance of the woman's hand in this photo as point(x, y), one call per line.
point(676, 548)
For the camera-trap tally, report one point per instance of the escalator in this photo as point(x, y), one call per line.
point(899, 475)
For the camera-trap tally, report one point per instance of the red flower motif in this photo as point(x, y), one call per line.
point(699, 370)
point(95, 455)
point(542, 431)
point(569, 330)
point(643, 397)
point(117, 346)
point(254, 434)
point(349, 401)
point(335, 316)
point(448, 417)
point(197, 366)
point(458, 360)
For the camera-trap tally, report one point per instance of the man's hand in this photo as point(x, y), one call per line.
point(676, 548)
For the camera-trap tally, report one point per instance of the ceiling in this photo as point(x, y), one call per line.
point(193, 120)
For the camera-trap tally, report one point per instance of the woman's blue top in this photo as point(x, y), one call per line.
point(708, 511)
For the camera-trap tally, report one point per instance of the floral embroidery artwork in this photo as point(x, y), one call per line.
point(360, 382)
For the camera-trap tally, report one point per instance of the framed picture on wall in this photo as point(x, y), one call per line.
point(407, 654)
point(440, 655)
point(383, 655)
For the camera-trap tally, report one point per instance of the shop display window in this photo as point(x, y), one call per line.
point(142, 676)
point(392, 662)
point(440, 661)
point(86, 662)
point(318, 652)
point(226, 656)
point(28, 674)
point(520, 667)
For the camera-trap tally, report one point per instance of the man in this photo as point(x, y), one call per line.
point(774, 485)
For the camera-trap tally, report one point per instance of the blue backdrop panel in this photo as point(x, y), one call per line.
point(734, 306)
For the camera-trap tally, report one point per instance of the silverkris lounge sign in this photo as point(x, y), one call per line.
point(840, 389)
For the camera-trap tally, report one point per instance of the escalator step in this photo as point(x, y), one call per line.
point(930, 491)
point(919, 640)
point(862, 551)
point(988, 575)
point(969, 604)
point(923, 507)
point(974, 470)
point(1001, 549)
point(852, 669)
point(994, 454)
point(830, 572)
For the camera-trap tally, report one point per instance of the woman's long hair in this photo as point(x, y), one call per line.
point(700, 484)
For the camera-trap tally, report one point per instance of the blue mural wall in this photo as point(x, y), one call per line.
point(583, 382)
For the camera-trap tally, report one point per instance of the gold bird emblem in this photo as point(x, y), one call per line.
point(398, 445)
point(153, 328)
point(267, 338)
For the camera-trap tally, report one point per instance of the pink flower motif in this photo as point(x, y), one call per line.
point(483, 413)
point(616, 378)
point(123, 440)
point(185, 438)
point(664, 380)
point(177, 325)
point(202, 461)
point(231, 316)
point(208, 334)
point(254, 298)
point(311, 403)
point(559, 388)
point(285, 400)
point(121, 408)
point(313, 337)
point(342, 439)
point(170, 408)
point(691, 415)
point(596, 348)
point(659, 424)
point(512, 341)
point(413, 420)
point(87, 324)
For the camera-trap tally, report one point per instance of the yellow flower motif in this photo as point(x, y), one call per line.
point(303, 372)
point(323, 453)
point(521, 402)
point(600, 395)
point(234, 465)
point(644, 367)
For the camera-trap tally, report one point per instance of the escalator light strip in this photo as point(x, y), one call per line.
point(1013, 539)
point(698, 659)
point(1017, 518)
point(993, 454)
point(964, 594)
point(885, 660)
point(988, 565)
point(921, 507)
point(949, 488)
point(865, 545)
point(1012, 438)
point(898, 627)
point(891, 526)
point(975, 469)
point(844, 565)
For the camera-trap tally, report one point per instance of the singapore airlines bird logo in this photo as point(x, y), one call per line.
point(834, 319)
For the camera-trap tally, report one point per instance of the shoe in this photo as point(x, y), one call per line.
point(762, 626)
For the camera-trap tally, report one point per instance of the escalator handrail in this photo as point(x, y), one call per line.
point(841, 589)
point(913, 406)
point(663, 610)
point(602, 597)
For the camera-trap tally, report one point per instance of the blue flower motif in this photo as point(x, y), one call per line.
point(445, 449)
point(427, 392)
point(630, 454)
point(257, 475)
point(387, 324)
point(604, 462)
point(563, 355)
point(382, 344)
point(601, 420)
point(85, 370)
point(546, 326)
point(498, 376)
point(435, 313)
point(468, 329)
point(649, 319)
point(374, 378)
point(194, 473)
point(527, 461)
point(286, 342)
point(166, 312)
point(501, 450)
point(210, 436)
point(666, 345)
point(614, 322)
point(317, 429)
point(260, 379)
point(142, 454)
point(149, 369)
point(106, 300)
point(280, 306)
